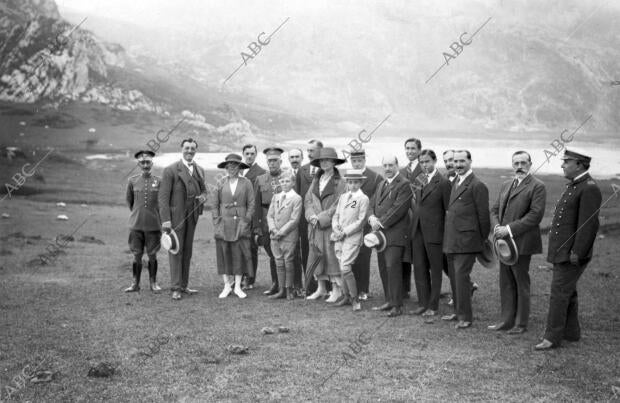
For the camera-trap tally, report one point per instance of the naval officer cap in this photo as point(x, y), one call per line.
point(144, 154)
point(575, 154)
point(273, 153)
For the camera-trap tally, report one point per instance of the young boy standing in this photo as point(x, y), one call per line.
point(347, 232)
point(283, 220)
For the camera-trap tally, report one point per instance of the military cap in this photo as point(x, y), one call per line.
point(576, 155)
point(140, 154)
point(358, 153)
point(273, 152)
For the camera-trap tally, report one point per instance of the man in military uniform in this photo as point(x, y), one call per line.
point(571, 239)
point(144, 221)
point(265, 187)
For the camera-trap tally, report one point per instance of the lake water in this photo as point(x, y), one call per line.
point(485, 153)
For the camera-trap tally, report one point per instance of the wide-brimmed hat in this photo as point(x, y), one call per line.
point(376, 239)
point(486, 257)
point(354, 174)
point(506, 250)
point(327, 153)
point(236, 158)
point(170, 242)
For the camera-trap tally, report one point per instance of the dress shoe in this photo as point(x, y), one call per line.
point(418, 311)
point(290, 293)
point(176, 295)
point(226, 291)
point(462, 325)
point(544, 345)
point(395, 311)
point(316, 295)
point(572, 339)
point(154, 286)
point(357, 305)
point(429, 312)
point(363, 296)
point(239, 292)
point(189, 291)
point(498, 326)
point(385, 307)
point(133, 288)
point(343, 301)
point(517, 330)
point(279, 295)
point(449, 317)
point(272, 290)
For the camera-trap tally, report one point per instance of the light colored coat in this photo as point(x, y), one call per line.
point(284, 217)
point(350, 217)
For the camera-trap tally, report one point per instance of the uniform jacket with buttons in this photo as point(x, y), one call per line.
point(265, 186)
point(142, 201)
point(468, 221)
point(575, 221)
point(283, 216)
point(522, 211)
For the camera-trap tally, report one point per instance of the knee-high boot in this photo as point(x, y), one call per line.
point(137, 271)
point(281, 273)
point(153, 276)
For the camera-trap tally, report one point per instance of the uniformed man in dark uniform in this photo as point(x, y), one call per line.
point(265, 187)
point(144, 221)
point(571, 238)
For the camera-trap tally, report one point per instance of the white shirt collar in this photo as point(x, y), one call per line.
point(389, 180)
point(430, 176)
point(521, 180)
point(187, 165)
point(290, 192)
point(413, 164)
point(462, 178)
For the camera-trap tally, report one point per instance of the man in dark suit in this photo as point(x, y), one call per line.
point(303, 179)
point(468, 224)
point(181, 196)
point(361, 266)
point(295, 158)
point(249, 152)
point(571, 240)
point(517, 213)
point(432, 197)
point(411, 172)
point(389, 214)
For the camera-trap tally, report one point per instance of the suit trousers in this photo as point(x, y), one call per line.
point(562, 319)
point(406, 276)
point(514, 291)
point(179, 263)
point(390, 271)
point(427, 271)
point(298, 271)
point(361, 269)
point(459, 267)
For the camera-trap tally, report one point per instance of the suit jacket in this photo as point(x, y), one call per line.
point(411, 175)
point(174, 201)
point(391, 206)
point(233, 213)
point(284, 217)
point(370, 184)
point(575, 221)
point(429, 213)
point(468, 222)
point(522, 212)
point(303, 180)
point(254, 172)
point(142, 195)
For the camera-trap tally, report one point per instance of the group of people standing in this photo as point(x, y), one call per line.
point(319, 225)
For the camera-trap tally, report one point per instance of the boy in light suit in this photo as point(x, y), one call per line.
point(347, 232)
point(283, 220)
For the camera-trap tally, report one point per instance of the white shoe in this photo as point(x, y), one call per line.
point(239, 293)
point(317, 294)
point(336, 294)
point(225, 292)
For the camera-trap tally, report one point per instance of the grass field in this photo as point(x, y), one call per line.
point(71, 314)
